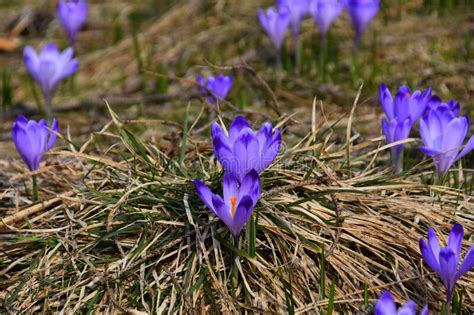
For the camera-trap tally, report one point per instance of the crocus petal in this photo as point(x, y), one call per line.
point(204, 193)
point(408, 309)
point(386, 101)
point(455, 239)
point(236, 127)
point(467, 148)
point(385, 305)
point(428, 151)
point(467, 264)
point(224, 155)
point(246, 152)
point(231, 190)
point(242, 214)
point(24, 146)
point(222, 211)
point(52, 134)
point(31, 61)
point(447, 268)
point(250, 186)
point(271, 152)
point(218, 132)
point(428, 256)
point(424, 311)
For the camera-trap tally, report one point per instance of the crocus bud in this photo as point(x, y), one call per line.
point(72, 15)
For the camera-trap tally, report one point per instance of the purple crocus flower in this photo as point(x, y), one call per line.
point(298, 9)
point(215, 88)
point(443, 134)
point(243, 150)
point(445, 260)
point(401, 114)
point(362, 12)
point(386, 306)
point(49, 68)
point(73, 15)
point(324, 12)
point(238, 203)
point(275, 23)
point(435, 103)
point(32, 139)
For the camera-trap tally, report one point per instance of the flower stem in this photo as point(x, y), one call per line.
point(35, 188)
point(397, 162)
point(279, 67)
point(297, 52)
point(48, 107)
point(449, 297)
point(235, 260)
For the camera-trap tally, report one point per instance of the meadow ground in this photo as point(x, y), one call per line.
point(119, 227)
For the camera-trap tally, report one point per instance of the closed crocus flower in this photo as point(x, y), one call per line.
point(445, 261)
point(275, 23)
point(215, 87)
point(73, 15)
point(443, 134)
point(386, 306)
point(401, 114)
point(298, 9)
point(243, 150)
point(49, 67)
point(362, 12)
point(324, 12)
point(238, 203)
point(32, 139)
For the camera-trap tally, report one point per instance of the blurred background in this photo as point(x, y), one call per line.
point(143, 57)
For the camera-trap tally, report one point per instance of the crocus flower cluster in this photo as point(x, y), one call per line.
point(243, 154)
point(290, 13)
point(72, 15)
point(443, 132)
point(386, 306)
point(215, 88)
point(32, 139)
point(445, 261)
point(401, 113)
point(49, 67)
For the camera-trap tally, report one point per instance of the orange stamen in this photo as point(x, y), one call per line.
point(233, 202)
point(407, 94)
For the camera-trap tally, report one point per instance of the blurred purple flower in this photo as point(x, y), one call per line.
point(445, 260)
point(298, 9)
point(443, 134)
point(275, 24)
point(324, 12)
point(73, 15)
point(362, 12)
point(386, 306)
point(435, 103)
point(238, 203)
point(32, 139)
point(243, 150)
point(215, 88)
point(49, 68)
point(401, 114)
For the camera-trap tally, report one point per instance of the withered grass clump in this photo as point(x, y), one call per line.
point(125, 231)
